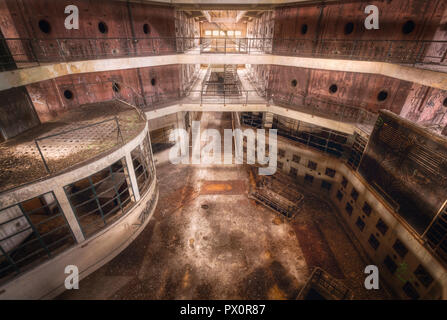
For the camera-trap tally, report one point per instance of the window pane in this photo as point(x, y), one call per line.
point(101, 198)
point(30, 233)
point(142, 162)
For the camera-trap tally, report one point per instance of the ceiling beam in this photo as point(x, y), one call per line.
point(207, 15)
point(240, 15)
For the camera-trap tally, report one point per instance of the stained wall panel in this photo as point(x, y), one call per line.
point(407, 165)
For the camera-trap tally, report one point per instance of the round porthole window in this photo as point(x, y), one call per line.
point(382, 95)
point(116, 87)
point(68, 95)
point(408, 27)
point(333, 88)
point(153, 81)
point(349, 28)
point(304, 29)
point(294, 83)
point(102, 27)
point(44, 26)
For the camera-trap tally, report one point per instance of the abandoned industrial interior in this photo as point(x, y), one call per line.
point(91, 111)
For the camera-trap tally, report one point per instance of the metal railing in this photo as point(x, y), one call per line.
point(28, 52)
point(396, 51)
point(315, 106)
point(236, 45)
point(325, 108)
point(324, 282)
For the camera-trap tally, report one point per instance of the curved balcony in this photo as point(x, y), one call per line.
point(95, 186)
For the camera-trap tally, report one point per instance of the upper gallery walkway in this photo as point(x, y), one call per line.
point(25, 53)
point(246, 96)
point(49, 70)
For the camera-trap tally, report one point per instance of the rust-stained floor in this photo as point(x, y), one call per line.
point(207, 240)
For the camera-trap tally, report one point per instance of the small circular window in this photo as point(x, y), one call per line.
point(153, 81)
point(146, 29)
point(102, 27)
point(116, 87)
point(349, 28)
point(304, 29)
point(445, 102)
point(44, 26)
point(382, 95)
point(333, 88)
point(68, 95)
point(408, 27)
point(294, 83)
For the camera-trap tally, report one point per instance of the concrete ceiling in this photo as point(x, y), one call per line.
point(222, 16)
point(248, 5)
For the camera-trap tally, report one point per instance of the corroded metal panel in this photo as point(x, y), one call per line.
point(407, 165)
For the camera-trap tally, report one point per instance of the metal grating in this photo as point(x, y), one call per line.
point(357, 150)
point(436, 235)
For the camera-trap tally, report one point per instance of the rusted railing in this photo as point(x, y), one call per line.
point(29, 52)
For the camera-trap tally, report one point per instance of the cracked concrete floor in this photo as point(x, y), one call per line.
point(207, 240)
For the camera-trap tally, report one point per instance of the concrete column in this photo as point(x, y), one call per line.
point(64, 203)
point(132, 177)
point(181, 120)
point(268, 120)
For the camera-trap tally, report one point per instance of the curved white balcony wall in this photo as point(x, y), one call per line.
point(90, 252)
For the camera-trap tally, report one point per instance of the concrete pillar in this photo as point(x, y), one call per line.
point(181, 120)
point(132, 177)
point(268, 120)
point(64, 204)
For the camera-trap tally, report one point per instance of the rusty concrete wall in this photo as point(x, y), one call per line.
point(260, 76)
point(407, 164)
point(186, 26)
point(186, 30)
point(153, 84)
point(330, 21)
point(16, 113)
point(426, 106)
point(262, 26)
point(125, 21)
point(188, 75)
point(353, 89)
